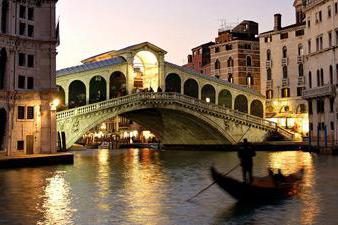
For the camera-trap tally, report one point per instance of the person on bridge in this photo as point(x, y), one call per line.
point(245, 154)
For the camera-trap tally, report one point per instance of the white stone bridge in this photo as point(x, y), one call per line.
point(185, 108)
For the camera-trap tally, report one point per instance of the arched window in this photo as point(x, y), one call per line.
point(268, 55)
point(285, 72)
point(209, 93)
point(191, 88)
point(4, 15)
point(217, 65)
point(300, 50)
point(300, 70)
point(256, 108)
point(3, 62)
point(241, 104)
point(173, 83)
point(77, 94)
point(61, 95)
point(230, 62)
point(248, 61)
point(268, 74)
point(285, 52)
point(322, 77)
point(97, 89)
point(117, 85)
point(3, 126)
point(225, 99)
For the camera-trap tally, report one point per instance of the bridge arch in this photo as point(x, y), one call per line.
point(191, 88)
point(225, 98)
point(209, 93)
point(97, 90)
point(257, 108)
point(173, 83)
point(117, 85)
point(3, 127)
point(241, 103)
point(77, 94)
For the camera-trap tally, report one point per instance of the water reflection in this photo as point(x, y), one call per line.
point(56, 205)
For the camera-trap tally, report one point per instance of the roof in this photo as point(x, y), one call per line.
point(123, 50)
point(90, 66)
point(214, 79)
point(296, 25)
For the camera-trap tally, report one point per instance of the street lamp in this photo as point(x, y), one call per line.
point(54, 104)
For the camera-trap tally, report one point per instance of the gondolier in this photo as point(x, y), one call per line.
point(245, 154)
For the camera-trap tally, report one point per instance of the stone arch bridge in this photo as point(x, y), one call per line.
point(188, 108)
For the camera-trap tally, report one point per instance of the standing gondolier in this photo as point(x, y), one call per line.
point(245, 154)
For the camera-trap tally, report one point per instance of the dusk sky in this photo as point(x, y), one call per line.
point(91, 27)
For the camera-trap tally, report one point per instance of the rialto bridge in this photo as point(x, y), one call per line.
point(178, 105)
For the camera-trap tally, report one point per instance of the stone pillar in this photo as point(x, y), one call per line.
point(87, 93)
point(66, 89)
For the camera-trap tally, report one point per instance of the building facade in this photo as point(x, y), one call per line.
point(321, 46)
point(282, 73)
point(233, 57)
point(27, 77)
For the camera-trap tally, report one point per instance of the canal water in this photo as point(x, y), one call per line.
point(150, 187)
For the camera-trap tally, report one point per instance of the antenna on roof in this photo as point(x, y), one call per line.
point(225, 26)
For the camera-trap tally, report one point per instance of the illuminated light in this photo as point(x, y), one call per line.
point(103, 126)
point(54, 104)
point(207, 100)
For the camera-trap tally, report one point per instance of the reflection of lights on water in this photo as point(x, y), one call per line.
point(290, 162)
point(56, 206)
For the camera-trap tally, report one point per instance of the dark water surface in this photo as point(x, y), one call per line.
point(149, 187)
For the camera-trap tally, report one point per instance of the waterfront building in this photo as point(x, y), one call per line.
point(234, 56)
point(321, 46)
point(282, 73)
point(27, 77)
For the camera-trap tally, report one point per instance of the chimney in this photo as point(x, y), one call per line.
point(278, 22)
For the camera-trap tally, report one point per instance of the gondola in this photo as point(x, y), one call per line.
point(262, 189)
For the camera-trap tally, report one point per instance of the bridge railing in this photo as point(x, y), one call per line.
point(193, 102)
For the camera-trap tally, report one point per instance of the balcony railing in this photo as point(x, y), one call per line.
point(300, 59)
point(285, 82)
point(269, 84)
point(301, 81)
point(285, 61)
point(326, 90)
point(268, 64)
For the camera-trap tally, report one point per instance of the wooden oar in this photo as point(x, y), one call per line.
point(212, 184)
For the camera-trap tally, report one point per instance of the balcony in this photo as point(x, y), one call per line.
point(285, 61)
point(300, 59)
point(268, 64)
point(269, 85)
point(230, 70)
point(301, 81)
point(285, 82)
point(326, 90)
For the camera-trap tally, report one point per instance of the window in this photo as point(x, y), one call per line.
point(310, 107)
point(318, 78)
point(284, 35)
point(309, 46)
point(22, 12)
point(30, 31)
point(30, 13)
point(30, 112)
point(336, 8)
point(285, 72)
point(248, 61)
point(331, 74)
point(230, 62)
point(268, 55)
point(21, 112)
point(268, 39)
point(20, 145)
point(320, 17)
point(330, 38)
point(300, 70)
point(299, 33)
point(336, 37)
point(230, 78)
point(21, 82)
point(322, 77)
point(308, 22)
point(311, 126)
point(332, 126)
point(22, 59)
point(329, 12)
point(285, 92)
point(269, 94)
point(300, 50)
point(22, 29)
point(217, 49)
point(228, 47)
point(217, 65)
point(30, 61)
point(249, 80)
point(30, 83)
point(300, 91)
point(285, 52)
point(331, 105)
point(320, 106)
point(310, 79)
point(268, 74)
